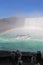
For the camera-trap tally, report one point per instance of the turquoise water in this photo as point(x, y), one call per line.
point(22, 45)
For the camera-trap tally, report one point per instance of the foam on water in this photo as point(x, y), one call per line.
point(32, 45)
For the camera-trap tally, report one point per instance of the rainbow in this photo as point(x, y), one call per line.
point(6, 31)
point(25, 27)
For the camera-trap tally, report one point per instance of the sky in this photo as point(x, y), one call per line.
point(10, 8)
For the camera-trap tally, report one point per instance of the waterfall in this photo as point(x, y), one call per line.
point(27, 23)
